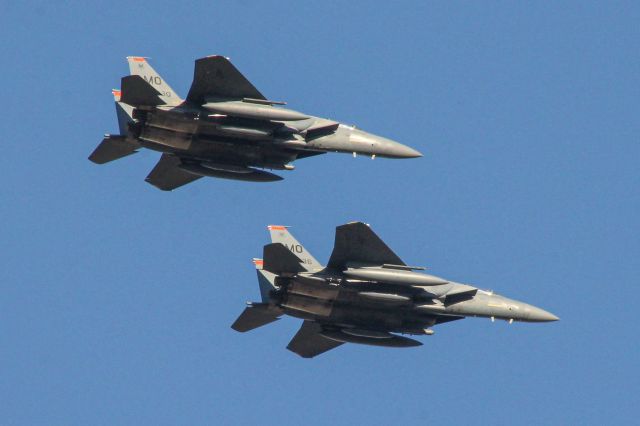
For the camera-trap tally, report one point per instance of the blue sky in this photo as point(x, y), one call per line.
point(116, 298)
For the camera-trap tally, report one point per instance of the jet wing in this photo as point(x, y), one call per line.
point(308, 342)
point(112, 148)
point(356, 242)
point(216, 77)
point(166, 175)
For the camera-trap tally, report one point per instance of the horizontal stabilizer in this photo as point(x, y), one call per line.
point(280, 260)
point(356, 242)
point(216, 77)
point(308, 342)
point(167, 175)
point(255, 316)
point(112, 148)
point(137, 92)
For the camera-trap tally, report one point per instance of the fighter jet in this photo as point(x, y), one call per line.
point(366, 294)
point(224, 128)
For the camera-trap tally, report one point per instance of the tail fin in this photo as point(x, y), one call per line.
point(139, 66)
point(266, 280)
point(280, 234)
point(279, 260)
point(137, 92)
point(124, 112)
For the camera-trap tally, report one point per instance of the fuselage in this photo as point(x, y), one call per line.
point(332, 299)
point(194, 133)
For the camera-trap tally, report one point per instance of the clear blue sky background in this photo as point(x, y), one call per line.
point(116, 298)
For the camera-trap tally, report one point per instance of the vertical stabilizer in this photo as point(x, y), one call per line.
point(124, 112)
point(266, 280)
point(139, 66)
point(281, 234)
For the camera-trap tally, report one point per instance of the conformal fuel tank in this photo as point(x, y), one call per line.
point(393, 276)
point(256, 112)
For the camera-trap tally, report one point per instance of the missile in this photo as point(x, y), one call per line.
point(390, 340)
point(253, 111)
point(393, 276)
point(230, 172)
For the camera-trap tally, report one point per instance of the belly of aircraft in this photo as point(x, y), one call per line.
point(345, 307)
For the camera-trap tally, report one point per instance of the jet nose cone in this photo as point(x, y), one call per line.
point(397, 150)
point(540, 315)
point(392, 149)
point(367, 143)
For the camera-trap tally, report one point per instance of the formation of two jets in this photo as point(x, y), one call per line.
point(226, 128)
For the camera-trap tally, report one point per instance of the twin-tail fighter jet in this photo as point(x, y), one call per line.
point(366, 294)
point(224, 128)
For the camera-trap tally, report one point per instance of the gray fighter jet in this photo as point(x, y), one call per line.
point(225, 128)
point(365, 295)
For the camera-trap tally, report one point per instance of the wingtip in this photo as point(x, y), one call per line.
point(277, 227)
point(209, 57)
point(137, 58)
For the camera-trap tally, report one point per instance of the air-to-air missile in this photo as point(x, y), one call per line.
point(224, 128)
point(365, 294)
